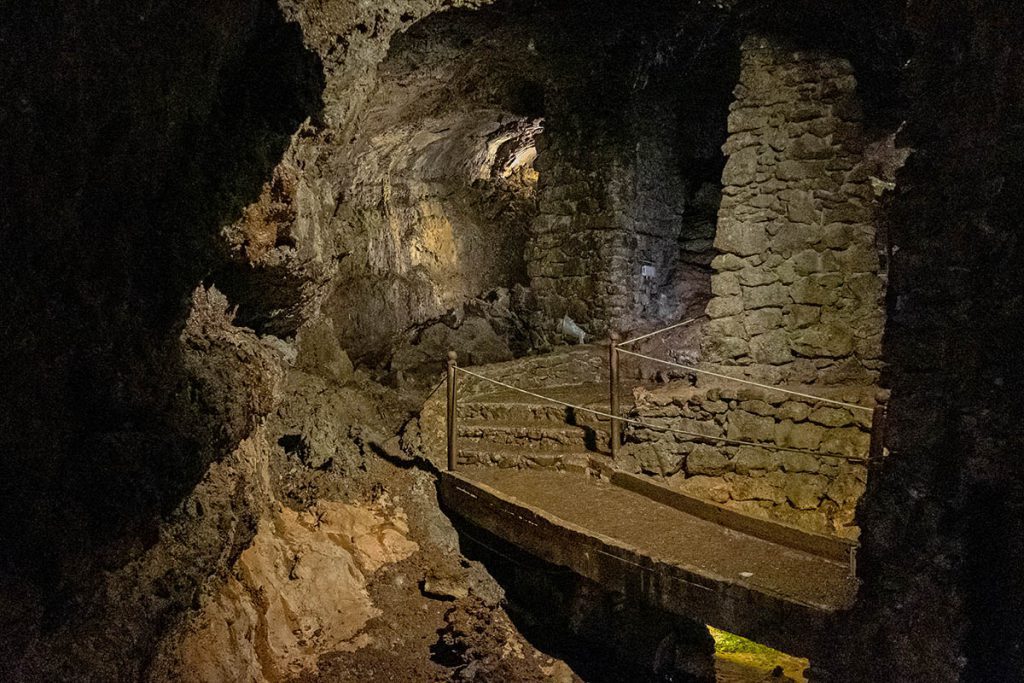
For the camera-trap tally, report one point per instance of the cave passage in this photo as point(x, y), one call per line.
point(511, 340)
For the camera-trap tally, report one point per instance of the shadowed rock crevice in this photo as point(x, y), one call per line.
point(130, 136)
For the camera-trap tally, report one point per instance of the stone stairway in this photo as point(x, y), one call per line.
point(513, 430)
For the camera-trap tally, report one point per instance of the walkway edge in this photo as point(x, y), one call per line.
point(729, 604)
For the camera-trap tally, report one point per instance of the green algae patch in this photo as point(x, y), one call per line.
point(739, 660)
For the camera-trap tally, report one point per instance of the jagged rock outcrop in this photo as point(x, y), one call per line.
point(300, 159)
point(297, 592)
point(116, 614)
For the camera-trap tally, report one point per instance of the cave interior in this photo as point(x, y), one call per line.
point(242, 237)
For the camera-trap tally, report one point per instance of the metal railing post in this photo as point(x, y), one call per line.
point(452, 436)
point(878, 417)
point(613, 393)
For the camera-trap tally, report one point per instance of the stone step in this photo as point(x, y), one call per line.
point(490, 456)
point(533, 437)
point(539, 414)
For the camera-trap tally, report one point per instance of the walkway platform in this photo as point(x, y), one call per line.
point(785, 592)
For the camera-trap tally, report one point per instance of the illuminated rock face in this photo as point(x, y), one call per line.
point(798, 284)
point(298, 591)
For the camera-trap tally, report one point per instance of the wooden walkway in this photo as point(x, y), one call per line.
point(776, 586)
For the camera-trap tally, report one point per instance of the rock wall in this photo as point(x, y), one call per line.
point(942, 545)
point(797, 287)
point(816, 489)
point(298, 591)
point(138, 151)
point(627, 174)
point(395, 205)
point(433, 223)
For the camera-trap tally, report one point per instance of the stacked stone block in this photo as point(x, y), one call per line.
point(614, 219)
point(577, 243)
point(797, 291)
point(815, 487)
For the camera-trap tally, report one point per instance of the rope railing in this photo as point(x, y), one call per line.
point(661, 331)
point(877, 424)
point(617, 348)
point(690, 368)
point(657, 427)
point(875, 453)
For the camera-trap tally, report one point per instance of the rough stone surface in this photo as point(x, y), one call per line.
point(629, 177)
point(797, 221)
point(319, 352)
point(280, 610)
point(151, 150)
point(815, 487)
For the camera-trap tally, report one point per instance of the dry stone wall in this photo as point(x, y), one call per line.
point(815, 487)
point(797, 289)
point(619, 241)
point(629, 168)
point(577, 248)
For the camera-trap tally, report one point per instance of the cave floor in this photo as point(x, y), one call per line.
point(676, 537)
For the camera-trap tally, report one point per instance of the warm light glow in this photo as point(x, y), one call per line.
point(738, 659)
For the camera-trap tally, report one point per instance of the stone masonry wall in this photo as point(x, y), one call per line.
point(797, 289)
point(619, 240)
point(629, 165)
point(577, 243)
point(816, 490)
point(658, 203)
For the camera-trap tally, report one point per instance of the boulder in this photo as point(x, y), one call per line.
point(320, 352)
point(748, 427)
point(742, 239)
point(805, 491)
point(750, 458)
point(705, 459)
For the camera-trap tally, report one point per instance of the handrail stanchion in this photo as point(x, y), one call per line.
point(877, 448)
point(613, 393)
point(452, 446)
